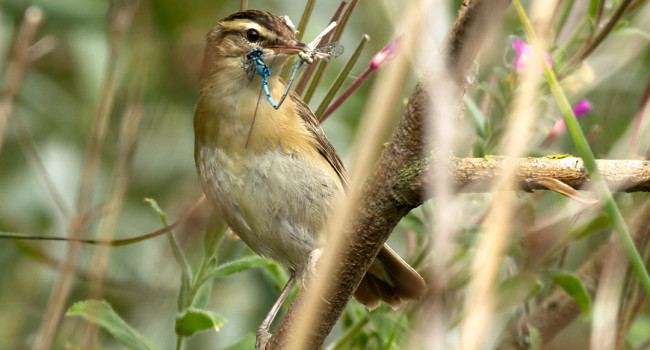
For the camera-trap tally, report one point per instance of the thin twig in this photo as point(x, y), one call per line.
point(18, 65)
point(107, 243)
point(599, 13)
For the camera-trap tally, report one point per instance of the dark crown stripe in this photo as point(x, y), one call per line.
point(263, 18)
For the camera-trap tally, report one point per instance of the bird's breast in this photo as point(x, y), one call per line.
point(276, 202)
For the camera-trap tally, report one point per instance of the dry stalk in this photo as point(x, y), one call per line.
point(476, 20)
point(442, 125)
point(608, 300)
point(18, 65)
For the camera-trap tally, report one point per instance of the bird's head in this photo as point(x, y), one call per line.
point(235, 36)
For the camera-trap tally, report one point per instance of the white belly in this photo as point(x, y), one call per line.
point(276, 202)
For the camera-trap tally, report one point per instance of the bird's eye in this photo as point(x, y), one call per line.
point(252, 35)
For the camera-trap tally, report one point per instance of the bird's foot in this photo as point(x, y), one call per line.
point(262, 338)
point(312, 261)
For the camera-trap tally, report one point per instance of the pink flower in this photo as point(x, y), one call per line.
point(524, 55)
point(385, 54)
point(580, 109)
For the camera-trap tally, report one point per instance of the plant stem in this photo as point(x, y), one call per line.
point(340, 79)
point(323, 64)
point(344, 96)
point(306, 15)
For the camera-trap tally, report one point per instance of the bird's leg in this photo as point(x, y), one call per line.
point(263, 334)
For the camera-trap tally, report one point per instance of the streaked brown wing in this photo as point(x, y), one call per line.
point(325, 147)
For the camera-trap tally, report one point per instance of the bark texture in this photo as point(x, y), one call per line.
point(475, 174)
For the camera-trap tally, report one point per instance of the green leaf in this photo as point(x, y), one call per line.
point(598, 223)
point(202, 295)
point(245, 344)
point(213, 235)
point(477, 116)
point(101, 313)
point(574, 287)
point(154, 205)
point(237, 266)
point(196, 320)
point(517, 289)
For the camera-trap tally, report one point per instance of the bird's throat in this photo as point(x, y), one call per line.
point(240, 119)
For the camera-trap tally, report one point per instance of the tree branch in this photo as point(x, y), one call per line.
point(387, 197)
point(476, 174)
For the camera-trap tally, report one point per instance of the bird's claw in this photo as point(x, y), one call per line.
point(262, 338)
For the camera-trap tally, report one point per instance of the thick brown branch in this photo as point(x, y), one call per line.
point(387, 198)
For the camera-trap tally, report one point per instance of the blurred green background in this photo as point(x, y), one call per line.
point(157, 69)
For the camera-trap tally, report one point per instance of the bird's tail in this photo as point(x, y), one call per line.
point(389, 279)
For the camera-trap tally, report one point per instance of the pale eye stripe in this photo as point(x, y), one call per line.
point(241, 26)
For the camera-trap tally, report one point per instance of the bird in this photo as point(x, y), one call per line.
point(271, 174)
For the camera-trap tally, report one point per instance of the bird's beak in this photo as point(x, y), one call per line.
point(292, 47)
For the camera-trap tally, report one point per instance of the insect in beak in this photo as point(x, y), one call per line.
point(293, 47)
